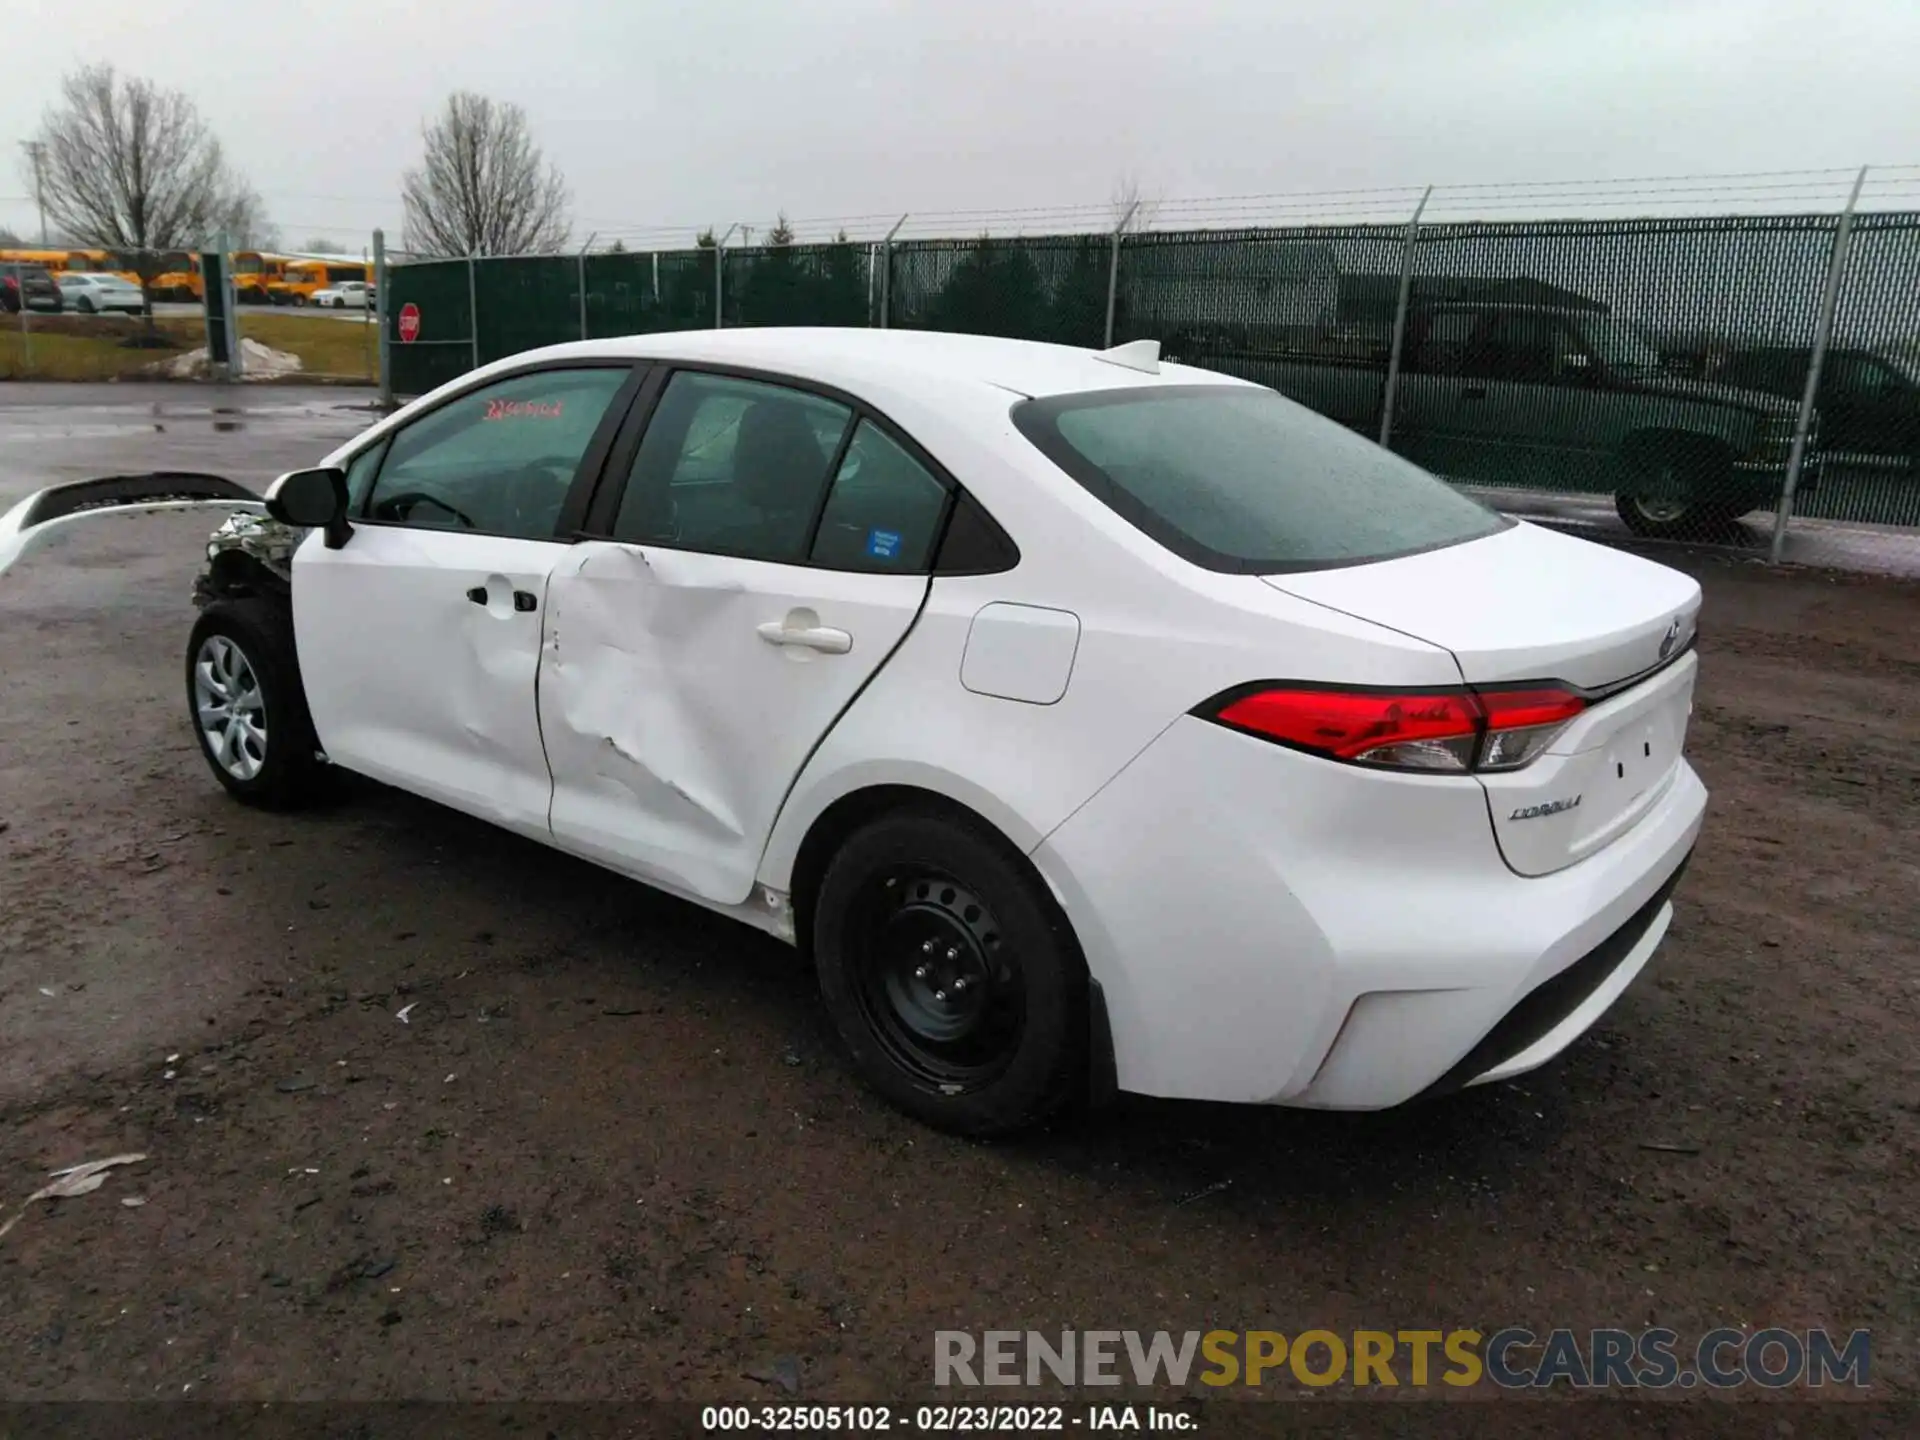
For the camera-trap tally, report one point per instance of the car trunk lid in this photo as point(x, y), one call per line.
point(1529, 606)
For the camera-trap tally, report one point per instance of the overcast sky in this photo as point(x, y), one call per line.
point(724, 110)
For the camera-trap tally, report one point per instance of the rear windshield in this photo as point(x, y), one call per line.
point(1236, 478)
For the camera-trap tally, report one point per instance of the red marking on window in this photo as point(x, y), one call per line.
point(524, 409)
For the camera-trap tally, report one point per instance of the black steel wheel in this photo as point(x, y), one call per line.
point(937, 982)
point(950, 974)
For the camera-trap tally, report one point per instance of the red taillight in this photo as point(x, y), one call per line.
point(1426, 732)
point(12, 284)
point(1455, 730)
point(1522, 723)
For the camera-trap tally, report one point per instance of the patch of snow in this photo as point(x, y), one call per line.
point(258, 362)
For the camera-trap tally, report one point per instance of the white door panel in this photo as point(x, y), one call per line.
point(680, 694)
point(420, 668)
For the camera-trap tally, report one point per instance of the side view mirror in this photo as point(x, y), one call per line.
point(313, 500)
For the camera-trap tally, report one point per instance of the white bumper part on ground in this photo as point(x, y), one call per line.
point(1353, 955)
point(45, 517)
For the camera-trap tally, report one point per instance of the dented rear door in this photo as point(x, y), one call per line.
point(680, 693)
point(759, 550)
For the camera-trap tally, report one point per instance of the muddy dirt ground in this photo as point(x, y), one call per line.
point(613, 1152)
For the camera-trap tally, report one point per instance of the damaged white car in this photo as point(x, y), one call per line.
point(1091, 723)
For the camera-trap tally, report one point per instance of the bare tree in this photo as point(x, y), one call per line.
point(131, 167)
point(8, 240)
point(320, 245)
point(242, 214)
point(1133, 210)
point(483, 187)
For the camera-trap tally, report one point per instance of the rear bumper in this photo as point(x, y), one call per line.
point(1560, 1009)
point(1268, 927)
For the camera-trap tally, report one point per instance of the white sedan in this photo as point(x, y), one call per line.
point(98, 294)
point(347, 295)
point(1088, 722)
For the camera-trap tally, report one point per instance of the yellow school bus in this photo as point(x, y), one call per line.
point(95, 262)
point(178, 277)
point(255, 272)
point(303, 277)
point(106, 262)
point(56, 261)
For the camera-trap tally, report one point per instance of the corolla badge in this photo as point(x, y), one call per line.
point(1670, 639)
point(1551, 807)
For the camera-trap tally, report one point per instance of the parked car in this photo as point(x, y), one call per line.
point(1087, 722)
point(28, 285)
point(1869, 402)
point(1529, 396)
point(301, 280)
point(92, 294)
point(342, 295)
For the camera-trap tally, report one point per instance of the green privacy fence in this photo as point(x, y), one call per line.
point(1657, 366)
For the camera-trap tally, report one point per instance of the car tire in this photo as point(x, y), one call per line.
point(83, 305)
point(1683, 491)
point(950, 974)
point(1660, 518)
point(242, 648)
point(299, 299)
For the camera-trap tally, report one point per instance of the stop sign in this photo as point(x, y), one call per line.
point(409, 322)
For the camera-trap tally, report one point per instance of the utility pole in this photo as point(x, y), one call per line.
point(36, 152)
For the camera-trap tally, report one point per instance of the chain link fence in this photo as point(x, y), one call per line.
point(1646, 373)
point(1050, 288)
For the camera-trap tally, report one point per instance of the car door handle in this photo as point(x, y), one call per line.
point(524, 601)
point(823, 638)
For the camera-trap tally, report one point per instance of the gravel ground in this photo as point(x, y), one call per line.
point(612, 1153)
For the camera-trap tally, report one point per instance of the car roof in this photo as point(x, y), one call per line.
point(862, 361)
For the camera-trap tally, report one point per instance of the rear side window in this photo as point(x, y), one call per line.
point(883, 511)
point(731, 467)
point(1238, 479)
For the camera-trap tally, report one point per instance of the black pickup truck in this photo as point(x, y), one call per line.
point(1531, 397)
